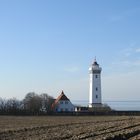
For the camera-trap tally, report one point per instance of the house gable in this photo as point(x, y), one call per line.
point(62, 103)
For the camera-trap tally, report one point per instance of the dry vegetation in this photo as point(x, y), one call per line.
point(52, 127)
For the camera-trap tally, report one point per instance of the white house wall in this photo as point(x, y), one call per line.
point(64, 105)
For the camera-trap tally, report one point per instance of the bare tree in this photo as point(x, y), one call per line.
point(46, 102)
point(32, 103)
point(13, 105)
point(2, 105)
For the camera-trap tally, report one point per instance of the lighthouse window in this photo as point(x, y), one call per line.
point(96, 96)
point(96, 89)
point(96, 76)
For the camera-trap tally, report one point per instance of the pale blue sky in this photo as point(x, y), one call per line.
point(48, 45)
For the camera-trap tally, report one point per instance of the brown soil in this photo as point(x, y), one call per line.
point(73, 128)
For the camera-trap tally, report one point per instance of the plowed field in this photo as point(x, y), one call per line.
point(72, 128)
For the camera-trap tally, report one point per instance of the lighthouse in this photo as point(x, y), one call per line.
point(95, 98)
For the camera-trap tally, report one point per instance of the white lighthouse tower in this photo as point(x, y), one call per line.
point(95, 99)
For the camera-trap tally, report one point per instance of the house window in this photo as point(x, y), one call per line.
point(61, 109)
point(96, 76)
point(66, 109)
point(66, 102)
point(96, 96)
point(61, 102)
point(96, 89)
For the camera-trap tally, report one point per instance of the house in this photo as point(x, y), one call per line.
point(62, 104)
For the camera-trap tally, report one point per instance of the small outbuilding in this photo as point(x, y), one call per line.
point(62, 104)
point(81, 109)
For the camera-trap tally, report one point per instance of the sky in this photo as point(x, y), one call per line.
point(48, 45)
